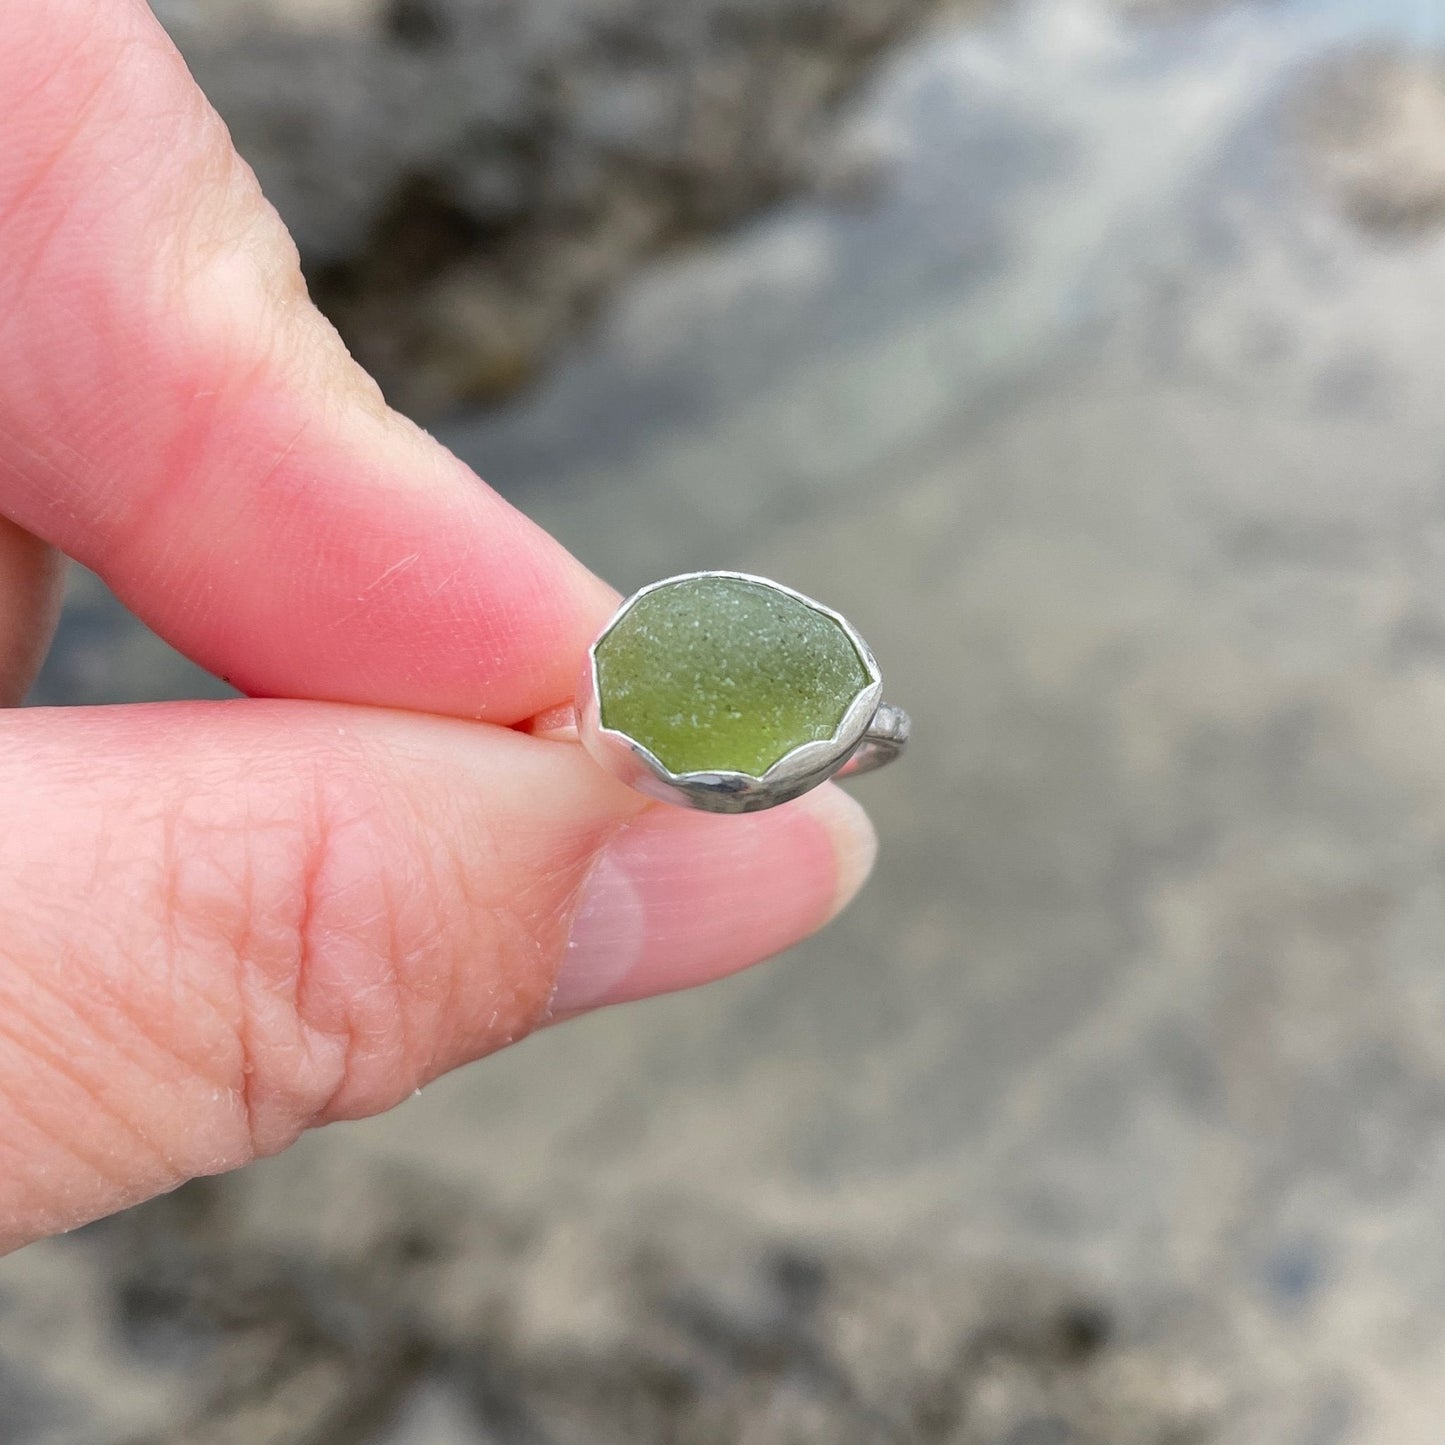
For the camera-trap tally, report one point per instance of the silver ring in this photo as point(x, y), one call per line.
point(732, 693)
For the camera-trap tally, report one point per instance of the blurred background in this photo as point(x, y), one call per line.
point(1090, 355)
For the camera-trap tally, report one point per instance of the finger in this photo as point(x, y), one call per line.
point(175, 414)
point(29, 604)
point(261, 916)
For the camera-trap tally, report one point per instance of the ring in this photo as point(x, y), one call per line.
point(731, 693)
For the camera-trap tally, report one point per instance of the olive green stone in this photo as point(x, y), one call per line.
point(718, 674)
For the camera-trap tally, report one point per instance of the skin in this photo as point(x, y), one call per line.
point(224, 924)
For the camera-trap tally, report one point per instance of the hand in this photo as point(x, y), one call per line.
point(222, 924)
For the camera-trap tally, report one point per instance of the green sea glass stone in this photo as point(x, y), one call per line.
point(720, 674)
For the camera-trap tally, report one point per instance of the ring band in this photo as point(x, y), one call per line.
point(885, 740)
point(731, 693)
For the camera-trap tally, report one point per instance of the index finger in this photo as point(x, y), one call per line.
point(176, 415)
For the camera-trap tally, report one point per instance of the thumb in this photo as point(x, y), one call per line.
point(263, 916)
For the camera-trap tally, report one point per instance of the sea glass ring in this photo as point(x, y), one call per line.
point(731, 693)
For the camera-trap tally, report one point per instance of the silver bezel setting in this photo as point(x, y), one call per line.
point(793, 774)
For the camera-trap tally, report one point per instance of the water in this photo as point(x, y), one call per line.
point(1032, 177)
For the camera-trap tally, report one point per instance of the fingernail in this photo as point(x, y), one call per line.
point(679, 898)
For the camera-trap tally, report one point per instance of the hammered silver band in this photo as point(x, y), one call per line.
point(885, 740)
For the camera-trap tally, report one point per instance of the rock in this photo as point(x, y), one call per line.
point(467, 178)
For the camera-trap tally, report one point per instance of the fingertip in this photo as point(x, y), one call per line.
point(854, 839)
point(679, 898)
